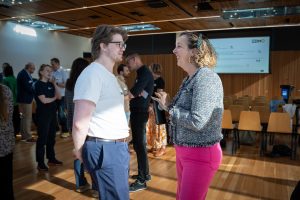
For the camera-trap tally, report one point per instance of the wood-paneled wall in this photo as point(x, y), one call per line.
point(285, 69)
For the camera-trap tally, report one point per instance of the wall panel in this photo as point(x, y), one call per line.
point(285, 69)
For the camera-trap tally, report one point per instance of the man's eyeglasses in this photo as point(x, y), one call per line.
point(120, 44)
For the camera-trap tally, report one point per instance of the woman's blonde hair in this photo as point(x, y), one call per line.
point(205, 55)
point(155, 68)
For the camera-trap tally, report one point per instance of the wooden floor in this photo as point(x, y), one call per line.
point(243, 176)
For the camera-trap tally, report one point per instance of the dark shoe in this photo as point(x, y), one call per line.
point(30, 140)
point(137, 186)
point(148, 177)
point(42, 167)
point(54, 162)
point(83, 188)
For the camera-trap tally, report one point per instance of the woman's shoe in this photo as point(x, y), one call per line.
point(160, 152)
point(152, 150)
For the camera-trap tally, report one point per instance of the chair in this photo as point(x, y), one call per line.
point(249, 121)
point(227, 123)
point(281, 123)
point(235, 112)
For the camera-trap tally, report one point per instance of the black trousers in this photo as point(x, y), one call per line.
point(46, 130)
point(6, 177)
point(138, 121)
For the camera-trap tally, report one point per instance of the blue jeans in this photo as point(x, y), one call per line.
point(108, 163)
point(79, 175)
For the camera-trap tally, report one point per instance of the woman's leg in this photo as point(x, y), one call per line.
point(199, 166)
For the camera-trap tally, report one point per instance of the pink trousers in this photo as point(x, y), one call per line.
point(196, 167)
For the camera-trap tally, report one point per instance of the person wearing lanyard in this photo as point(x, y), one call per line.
point(100, 128)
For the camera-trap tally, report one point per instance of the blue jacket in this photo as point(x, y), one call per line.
point(25, 90)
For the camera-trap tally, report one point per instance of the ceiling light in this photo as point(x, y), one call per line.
point(261, 12)
point(14, 2)
point(38, 24)
point(140, 27)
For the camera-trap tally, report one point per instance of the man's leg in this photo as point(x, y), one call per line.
point(138, 126)
point(26, 110)
point(108, 164)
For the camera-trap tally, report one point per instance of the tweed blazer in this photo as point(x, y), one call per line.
point(197, 109)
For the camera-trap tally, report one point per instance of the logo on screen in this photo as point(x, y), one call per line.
point(258, 40)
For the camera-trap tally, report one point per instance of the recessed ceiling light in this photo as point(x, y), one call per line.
point(38, 24)
point(14, 2)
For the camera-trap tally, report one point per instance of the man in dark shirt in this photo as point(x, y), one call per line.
point(140, 98)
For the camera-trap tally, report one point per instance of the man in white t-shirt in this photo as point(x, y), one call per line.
point(61, 78)
point(100, 127)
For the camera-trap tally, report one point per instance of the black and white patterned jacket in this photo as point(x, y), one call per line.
point(7, 136)
point(197, 109)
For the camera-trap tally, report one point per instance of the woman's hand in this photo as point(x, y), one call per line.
point(162, 99)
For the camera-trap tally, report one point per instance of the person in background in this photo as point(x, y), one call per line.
point(25, 95)
point(46, 94)
point(11, 82)
point(78, 66)
point(157, 132)
point(100, 128)
point(195, 116)
point(60, 77)
point(139, 104)
point(123, 73)
point(7, 143)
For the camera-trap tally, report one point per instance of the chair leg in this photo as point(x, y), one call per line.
point(234, 139)
point(238, 139)
point(294, 146)
point(262, 144)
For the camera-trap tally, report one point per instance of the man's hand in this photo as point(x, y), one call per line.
point(77, 154)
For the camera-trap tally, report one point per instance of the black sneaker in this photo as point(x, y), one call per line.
point(148, 177)
point(54, 162)
point(137, 186)
point(42, 167)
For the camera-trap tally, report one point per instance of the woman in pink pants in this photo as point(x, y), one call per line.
point(195, 116)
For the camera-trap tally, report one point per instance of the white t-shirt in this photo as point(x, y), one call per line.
point(60, 77)
point(100, 86)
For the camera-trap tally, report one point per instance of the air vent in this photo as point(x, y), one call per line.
point(94, 17)
point(137, 14)
point(204, 6)
point(157, 4)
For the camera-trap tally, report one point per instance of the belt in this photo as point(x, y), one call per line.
point(90, 138)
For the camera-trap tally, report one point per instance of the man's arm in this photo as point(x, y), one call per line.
point(82, 115)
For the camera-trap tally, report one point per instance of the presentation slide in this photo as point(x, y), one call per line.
point(242, 55)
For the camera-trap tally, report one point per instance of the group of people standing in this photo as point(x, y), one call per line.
point(100, 126)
